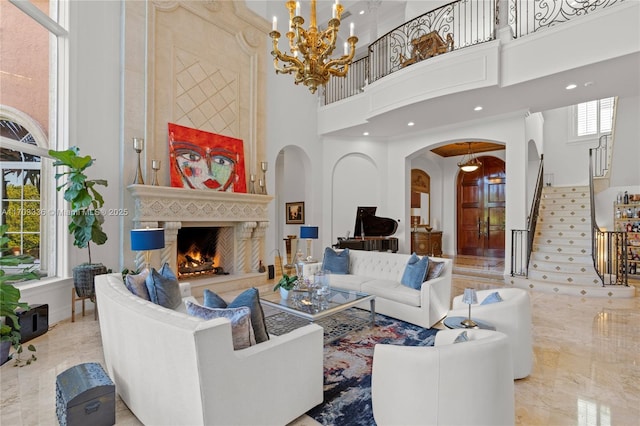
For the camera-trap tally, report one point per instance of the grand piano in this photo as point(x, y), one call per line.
point(371, 233)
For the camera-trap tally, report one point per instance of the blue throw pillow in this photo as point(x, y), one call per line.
point(249, 298)
point(136, 283)
point(462, 337)
point(163, 291)
point(240, 319)
point(492, 298)
point(212, 300)
point(415, 271)
point(336, 263)
point(434, 270)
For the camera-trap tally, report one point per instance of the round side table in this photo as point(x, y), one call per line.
point(456, 322)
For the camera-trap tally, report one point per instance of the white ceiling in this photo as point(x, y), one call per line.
point(618, 77)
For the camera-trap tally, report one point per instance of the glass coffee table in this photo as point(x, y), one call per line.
point(301, 304)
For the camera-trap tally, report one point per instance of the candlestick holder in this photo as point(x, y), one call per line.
point(252, 184)
point(138, 146)
point(263, 185)
point(155, 165)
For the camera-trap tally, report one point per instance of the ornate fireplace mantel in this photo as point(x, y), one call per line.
point(173, 208)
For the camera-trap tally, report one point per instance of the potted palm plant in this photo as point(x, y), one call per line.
point(85, 217)
point(10, 299)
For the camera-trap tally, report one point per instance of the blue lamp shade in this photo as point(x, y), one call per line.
point(147, 239)
point(309, 232)
point(469, 296)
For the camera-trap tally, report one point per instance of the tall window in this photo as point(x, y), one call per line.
point(32, 50)
point(593, 119)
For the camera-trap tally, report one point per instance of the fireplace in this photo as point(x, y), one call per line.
point(231, 225)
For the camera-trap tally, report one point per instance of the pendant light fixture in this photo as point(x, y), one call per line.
point(469, 162)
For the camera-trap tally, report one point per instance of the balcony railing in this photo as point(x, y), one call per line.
point(469, 22)
point(526, 16)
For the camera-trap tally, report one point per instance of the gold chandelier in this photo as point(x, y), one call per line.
point(310, 59)
point(469, 162)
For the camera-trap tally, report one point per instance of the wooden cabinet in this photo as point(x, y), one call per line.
point(426, 243)
point(627, 219)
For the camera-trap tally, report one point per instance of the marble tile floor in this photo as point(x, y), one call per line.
point(586, 372)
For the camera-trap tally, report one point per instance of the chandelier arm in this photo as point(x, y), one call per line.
point(283, 57)
point(344, 60)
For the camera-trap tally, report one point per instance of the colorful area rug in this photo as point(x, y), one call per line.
point(347, 370)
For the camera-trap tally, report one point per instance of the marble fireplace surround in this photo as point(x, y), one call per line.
point(243, 219)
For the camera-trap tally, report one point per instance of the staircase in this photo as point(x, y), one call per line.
point(561, 257)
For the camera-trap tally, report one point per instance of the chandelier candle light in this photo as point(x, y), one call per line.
point(310, 50)
point(147, 239)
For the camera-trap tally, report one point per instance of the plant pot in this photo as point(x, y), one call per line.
point(5, 347)
point(284, 294)
point(83, 278)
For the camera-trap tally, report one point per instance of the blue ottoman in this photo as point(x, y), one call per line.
point(85, 395)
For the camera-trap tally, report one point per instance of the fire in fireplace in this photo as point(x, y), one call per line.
point(197, 252)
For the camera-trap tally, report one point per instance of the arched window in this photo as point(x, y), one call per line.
point(33, 113)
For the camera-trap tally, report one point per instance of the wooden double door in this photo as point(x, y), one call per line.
point(481, 209)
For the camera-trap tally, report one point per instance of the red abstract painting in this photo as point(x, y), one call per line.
point(203, 160)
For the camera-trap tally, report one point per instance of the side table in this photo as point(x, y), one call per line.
point(456, 322)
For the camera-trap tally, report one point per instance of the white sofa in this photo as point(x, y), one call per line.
point(379, 273)
point(512, 317)
point(467, 383)
point(174, 369)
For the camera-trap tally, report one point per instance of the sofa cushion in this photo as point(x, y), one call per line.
point(164, 290)
point(249, 298)
point(240, 319)
point(349, 282)
point(435, 269)
point(136, 283)
point(415, 271)
point(392, 290)
point(334, 262)
point(492, 298)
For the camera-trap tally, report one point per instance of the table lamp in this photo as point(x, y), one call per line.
point(469, 297)
point(147, 239)
point(310, 233)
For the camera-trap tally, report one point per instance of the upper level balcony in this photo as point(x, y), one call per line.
point(444, 63)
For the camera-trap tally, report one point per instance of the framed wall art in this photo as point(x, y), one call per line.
point(295, 213)
point(204, 160)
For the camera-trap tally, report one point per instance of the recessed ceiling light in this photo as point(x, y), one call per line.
point(361, 12)
point(571, 86)
point(588, 83)
point(411, 123)
point(478, 108)
point(365, 134)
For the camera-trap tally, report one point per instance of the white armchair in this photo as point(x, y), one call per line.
point(467, 383)
point(512, 317)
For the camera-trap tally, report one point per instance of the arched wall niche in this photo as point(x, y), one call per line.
point(363, 190)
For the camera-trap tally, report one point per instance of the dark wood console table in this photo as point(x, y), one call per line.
point(427, 243)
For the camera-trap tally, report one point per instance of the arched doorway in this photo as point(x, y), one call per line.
point(481, 209)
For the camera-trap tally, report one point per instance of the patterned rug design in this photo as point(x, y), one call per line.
point(335, 326)
point(347, 370)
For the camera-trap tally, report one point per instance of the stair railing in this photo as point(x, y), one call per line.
point(522, 239)
point(608, 248)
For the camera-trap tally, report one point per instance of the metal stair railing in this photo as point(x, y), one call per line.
point(521, 253)
point(608, 248)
